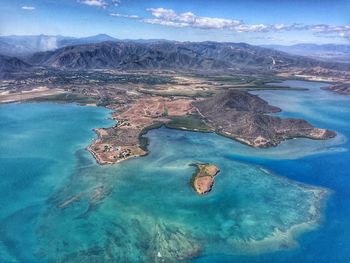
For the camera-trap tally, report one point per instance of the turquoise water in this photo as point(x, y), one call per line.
point(282, 204)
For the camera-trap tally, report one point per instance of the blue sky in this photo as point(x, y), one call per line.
point(251, 21)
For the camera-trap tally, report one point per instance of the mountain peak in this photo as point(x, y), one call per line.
point(100, 37)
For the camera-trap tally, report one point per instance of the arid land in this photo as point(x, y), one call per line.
point(203, 178)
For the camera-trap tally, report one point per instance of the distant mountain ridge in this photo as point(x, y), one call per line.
point(173, 55)
point(24, 46)
point(327, 52)
point(160, 55)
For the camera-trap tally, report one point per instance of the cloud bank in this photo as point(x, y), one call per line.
point(168, 17)
point(171, 18)
point(331, 30)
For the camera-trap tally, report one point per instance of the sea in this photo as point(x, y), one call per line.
point(289, 203)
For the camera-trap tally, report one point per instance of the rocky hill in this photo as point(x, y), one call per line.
point(11, 64)
point(242, 116)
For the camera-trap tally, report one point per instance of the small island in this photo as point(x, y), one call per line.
point(203, 178)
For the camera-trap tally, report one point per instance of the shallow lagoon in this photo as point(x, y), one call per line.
point(146, 205)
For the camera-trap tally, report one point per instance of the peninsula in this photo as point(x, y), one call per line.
point(238, 115)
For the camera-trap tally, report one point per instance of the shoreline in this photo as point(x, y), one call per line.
point(293, 232)
point(100, 161)
point(125, 139)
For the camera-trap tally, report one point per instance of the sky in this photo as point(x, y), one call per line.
point(252, 21)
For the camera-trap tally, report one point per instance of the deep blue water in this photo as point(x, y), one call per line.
point(133, 210)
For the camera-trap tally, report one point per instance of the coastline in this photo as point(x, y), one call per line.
point(293, 232)
point(115, 143)
point(100, 160)
point(203, 178)
point(253, 126)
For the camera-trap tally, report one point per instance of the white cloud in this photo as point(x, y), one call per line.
point(98, 3)
point(156, 21)
point(29, 8)
point(169, 17)
point(324, 29)
point(124, 15)
point(251, 28)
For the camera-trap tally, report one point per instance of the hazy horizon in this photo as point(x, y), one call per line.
point(174, 40)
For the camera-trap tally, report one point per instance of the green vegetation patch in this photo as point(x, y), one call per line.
point(190, 93)
point(66, 98)
point(188, 122)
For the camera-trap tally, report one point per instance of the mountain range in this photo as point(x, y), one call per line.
point(173, 55)
point(22, 46)
point(105, 52)
point(25, 45)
